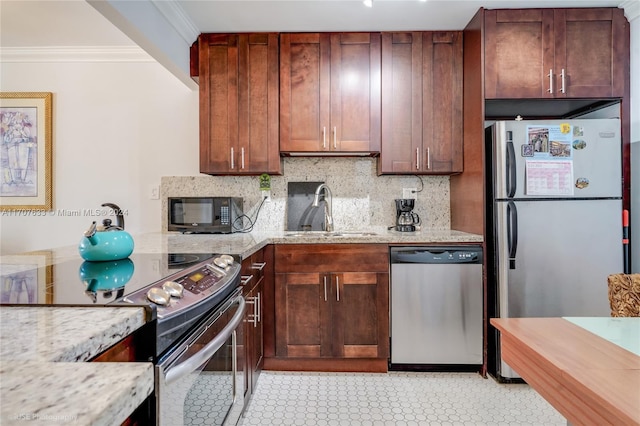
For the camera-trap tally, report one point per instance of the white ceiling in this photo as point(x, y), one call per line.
point(76, 23)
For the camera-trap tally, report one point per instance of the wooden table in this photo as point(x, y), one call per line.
point(588, 379)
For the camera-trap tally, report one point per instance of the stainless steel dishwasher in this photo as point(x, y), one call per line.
point(436, 306)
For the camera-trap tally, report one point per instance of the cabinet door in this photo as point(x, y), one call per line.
point(303, 315)
point(360, 326)
point(401, 102)
point(218, 102)
point(239, 104)
point(304, 92)
point(258, 105)
point(519, 54)
point(422, 103)
point(257, 351)
point(442, 103)
point(330, 92)
point(591, 47)
point(355, 92)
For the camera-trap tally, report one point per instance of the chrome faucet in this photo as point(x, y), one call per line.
point(328, 215)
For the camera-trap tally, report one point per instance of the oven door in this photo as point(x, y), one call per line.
point(203, 377)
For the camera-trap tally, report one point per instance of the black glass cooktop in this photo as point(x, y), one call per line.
point(78, 282)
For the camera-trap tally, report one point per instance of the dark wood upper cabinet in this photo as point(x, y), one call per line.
point(330, 93)
point(555, 53)
point(421, 103)
point(239, 101)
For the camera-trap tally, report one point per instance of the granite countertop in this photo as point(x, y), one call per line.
point(40, 379)
point(245, 244)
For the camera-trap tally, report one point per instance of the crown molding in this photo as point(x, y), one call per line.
point(631, 9)
point(178, 19)
point(75, 54)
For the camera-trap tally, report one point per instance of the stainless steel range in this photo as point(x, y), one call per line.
point(199, 310)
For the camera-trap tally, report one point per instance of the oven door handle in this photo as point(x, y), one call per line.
point(188, 366)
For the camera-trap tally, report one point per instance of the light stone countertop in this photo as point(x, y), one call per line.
point(245, 244)
point(64, 334)
point(40, 380)
point(78, 393)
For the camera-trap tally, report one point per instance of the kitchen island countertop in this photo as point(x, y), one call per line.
point(40, 379)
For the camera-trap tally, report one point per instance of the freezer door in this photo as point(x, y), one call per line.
point(564, 251)
point(595, 158)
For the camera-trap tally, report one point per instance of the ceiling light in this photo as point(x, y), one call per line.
point(368, 3)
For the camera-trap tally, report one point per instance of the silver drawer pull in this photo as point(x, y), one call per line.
point(244, 279)
point(258, 266)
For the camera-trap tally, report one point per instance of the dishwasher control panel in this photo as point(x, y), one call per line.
point(436, 254)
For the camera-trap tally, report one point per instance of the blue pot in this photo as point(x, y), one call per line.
point(105, 245)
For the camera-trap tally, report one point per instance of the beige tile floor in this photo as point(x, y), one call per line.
point(395, 398)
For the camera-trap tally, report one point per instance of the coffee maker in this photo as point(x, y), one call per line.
point(406, 219)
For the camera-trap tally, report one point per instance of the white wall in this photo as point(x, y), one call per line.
point(117, 128)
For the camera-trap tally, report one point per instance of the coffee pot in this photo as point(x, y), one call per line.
point(406, 219)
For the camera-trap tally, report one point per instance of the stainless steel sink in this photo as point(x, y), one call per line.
point(324, 234)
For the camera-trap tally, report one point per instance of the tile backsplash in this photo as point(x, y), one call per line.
point(361, 199)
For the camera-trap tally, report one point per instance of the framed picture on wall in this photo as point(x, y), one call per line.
point(26, 151)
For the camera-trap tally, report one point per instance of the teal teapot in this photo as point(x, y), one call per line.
point(111, 242)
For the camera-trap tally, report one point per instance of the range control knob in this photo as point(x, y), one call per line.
point(173, 288)
point(159, 296)
point(220, 262)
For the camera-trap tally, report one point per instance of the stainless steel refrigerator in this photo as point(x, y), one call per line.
point(554, 211)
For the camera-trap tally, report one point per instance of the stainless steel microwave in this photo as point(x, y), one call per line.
point(206, 215)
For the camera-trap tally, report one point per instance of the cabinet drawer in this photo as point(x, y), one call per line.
point(331, 257)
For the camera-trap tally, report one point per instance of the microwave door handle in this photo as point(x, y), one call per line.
point(190, 365)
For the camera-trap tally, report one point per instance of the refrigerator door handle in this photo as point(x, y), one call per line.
point(511, 167)
point(512, 233)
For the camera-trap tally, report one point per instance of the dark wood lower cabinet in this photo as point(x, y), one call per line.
point(331, 303)
point(256, 272)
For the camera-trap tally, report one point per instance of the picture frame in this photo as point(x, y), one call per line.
point(26, 151)
point(27, 278)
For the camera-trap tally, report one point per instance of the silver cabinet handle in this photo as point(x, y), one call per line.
point(242, 158)
point(550, 89)
point(253, 318)
point(325, 288)
point(259, 307)
point(244, 279)
point(562, 76)
point(258, 266)
point(324, 137)
point(335, 142)
point(232, 164)
point(417, 158)
point(428, 158)
point(337, 289)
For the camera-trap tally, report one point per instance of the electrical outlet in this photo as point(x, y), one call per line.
point(154, 192)
point(410, 193)
point(266, 195)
